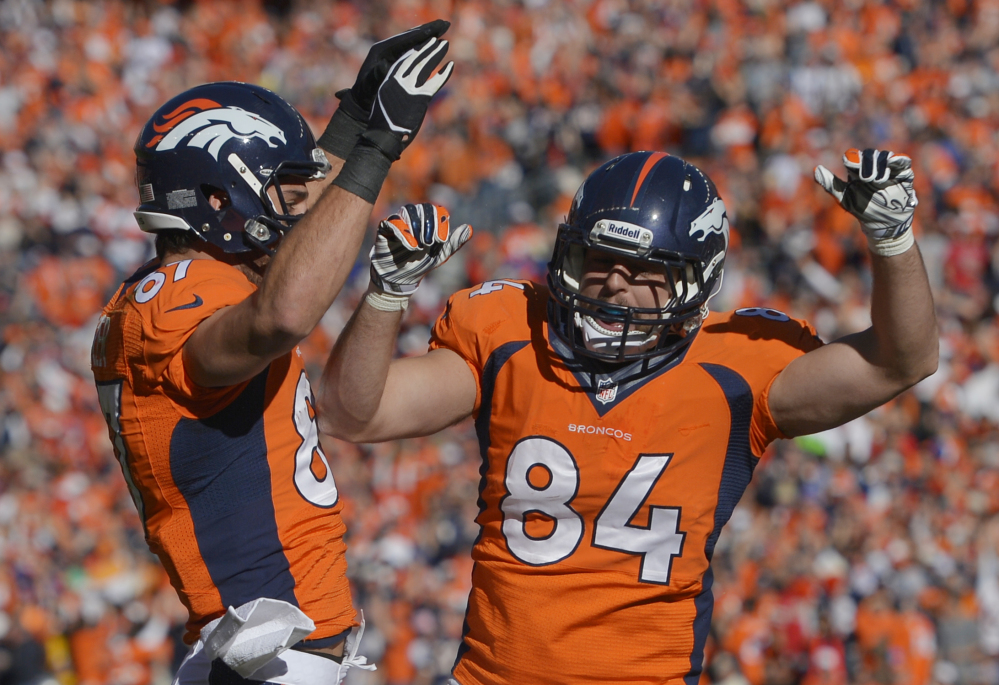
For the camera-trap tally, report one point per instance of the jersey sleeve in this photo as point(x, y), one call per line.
point(172, 301)
point(758, 343)
point(478, 320)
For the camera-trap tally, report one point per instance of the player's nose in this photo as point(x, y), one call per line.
point(617, 281)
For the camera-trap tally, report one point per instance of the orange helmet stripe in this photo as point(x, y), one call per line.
point(649, 164)
point(184, 111)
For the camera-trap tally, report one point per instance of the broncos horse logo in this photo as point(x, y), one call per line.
point(712, 220)
point(212, 126)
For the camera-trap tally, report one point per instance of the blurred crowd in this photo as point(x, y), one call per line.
point(868, 554)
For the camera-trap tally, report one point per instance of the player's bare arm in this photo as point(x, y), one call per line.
point(843, 380)
point(364, 395)
point(304, 276)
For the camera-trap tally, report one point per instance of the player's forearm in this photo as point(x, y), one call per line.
point(352, 385)
point(904, 325)
point(311, 267)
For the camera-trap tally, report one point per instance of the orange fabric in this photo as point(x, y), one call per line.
point(538, 619)
point(137, 347)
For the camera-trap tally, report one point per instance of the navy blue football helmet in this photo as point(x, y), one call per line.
point(231, 140)
point(647, 207)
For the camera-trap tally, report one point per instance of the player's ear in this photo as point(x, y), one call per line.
point(217, 198)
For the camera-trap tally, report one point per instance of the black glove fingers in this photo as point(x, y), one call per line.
point(432, 63)
point(416, 61)
point(396, 46)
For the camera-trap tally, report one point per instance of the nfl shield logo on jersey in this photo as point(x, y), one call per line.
point(608, 391)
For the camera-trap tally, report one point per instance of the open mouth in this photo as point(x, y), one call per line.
point(614, 328)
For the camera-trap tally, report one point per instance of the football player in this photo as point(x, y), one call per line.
point(619, 421)
point(196, 359)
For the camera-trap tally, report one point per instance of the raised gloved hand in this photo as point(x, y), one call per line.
point(409, 245)
point(879, 193)
point(404, 96)
point(397, 113)
point(351, 118)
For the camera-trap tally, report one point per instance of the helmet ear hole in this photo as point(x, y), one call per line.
point(217, 197)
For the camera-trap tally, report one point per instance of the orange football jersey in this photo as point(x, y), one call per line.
point(233, 489)
point(601, 502)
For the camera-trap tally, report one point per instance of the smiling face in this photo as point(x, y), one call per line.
point(622, 282)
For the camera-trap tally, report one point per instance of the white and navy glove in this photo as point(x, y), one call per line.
point(879, 193)
point(410, 245)
point(404, 96)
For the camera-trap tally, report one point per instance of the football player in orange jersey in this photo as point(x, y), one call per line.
point(619, 421)
point(208, 405)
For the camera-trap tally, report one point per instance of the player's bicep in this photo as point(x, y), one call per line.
point(424, 395)
point(221, 352)
point(829, 386)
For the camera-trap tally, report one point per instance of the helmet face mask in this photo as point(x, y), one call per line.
point(654, 214)
point(234, 141)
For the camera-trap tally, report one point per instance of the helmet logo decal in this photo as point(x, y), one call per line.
point(215, 127)
point(712, 220)
point(173, 118)
point(650, 163)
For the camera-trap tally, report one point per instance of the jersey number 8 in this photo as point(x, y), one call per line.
point(321, 492)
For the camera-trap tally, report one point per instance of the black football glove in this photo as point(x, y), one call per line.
point(351, 118)
point(359, 98)
point(404, 96)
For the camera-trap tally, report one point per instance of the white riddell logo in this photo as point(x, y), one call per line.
point(216, 127)
point(631, 233)
point(713, 220)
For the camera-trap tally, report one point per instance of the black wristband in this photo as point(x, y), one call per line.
point(342, 133)
point(390, 144)
point(364, 172)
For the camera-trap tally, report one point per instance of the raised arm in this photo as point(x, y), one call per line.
point(365, 396)
point(851, 376)
point(315, 258)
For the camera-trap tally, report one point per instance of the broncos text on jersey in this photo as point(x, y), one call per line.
point(234, 491)
point(601, 501)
